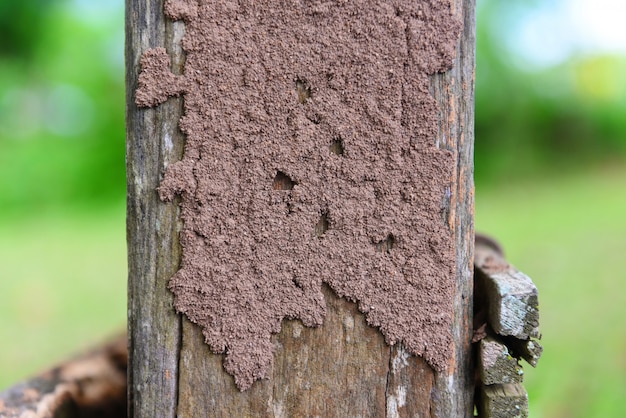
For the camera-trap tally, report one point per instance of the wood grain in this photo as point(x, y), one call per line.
point(337, 370)
point(153, 141)
point(503, 401)
point(454, 92)
point(511, 296)
point(496, 365)
point(529, 350)
point(341, 369)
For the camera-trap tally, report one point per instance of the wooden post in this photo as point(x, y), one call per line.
point(343, 368)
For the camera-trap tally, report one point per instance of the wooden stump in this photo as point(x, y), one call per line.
point(341, 369)
point(90, 385)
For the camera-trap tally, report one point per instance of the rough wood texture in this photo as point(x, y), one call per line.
point(503, 401)
point(153, 141)
point(529, 350)
point(452, 394)
point(341, 369)
point(496, 365)
point(512, 301)
point(505, 302)
point(92, 385)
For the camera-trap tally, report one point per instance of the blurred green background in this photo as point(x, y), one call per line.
point(550, 183)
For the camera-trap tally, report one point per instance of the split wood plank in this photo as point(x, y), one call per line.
point(529, 350)
point(511, 296)
point(503, 401)
point(496, 365)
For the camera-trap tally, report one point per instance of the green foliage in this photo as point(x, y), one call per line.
point(62, 112)
point(567, 233)
point(62, 287)
point(20, 25)
point(530, 122)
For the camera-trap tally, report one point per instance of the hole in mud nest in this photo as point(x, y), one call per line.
point(386, 245)
point(322, 225)
point(315, 118)
point(283, 182)
point(297, 283)
point(336, 147)
point(303, 90)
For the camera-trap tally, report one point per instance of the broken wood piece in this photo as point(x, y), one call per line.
point(529, 350)
point(503, 401)
point(511, 296)
point(496, 365)
point(92, 385)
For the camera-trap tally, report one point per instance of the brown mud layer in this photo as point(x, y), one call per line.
point(310, 158)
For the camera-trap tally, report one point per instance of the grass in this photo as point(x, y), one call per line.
point(63, 285)
point(569, 235)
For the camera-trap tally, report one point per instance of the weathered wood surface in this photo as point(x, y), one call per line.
point(496, 365)
point(503, 401)
point(91, 385)
point(453, 392)
point(529, 350)
point(512, 297)
point(505, 322)
point(153, 141)
point(341, 369)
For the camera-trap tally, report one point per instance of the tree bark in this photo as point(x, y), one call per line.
point(343, 368)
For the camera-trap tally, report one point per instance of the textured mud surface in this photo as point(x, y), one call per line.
point(310, 158)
